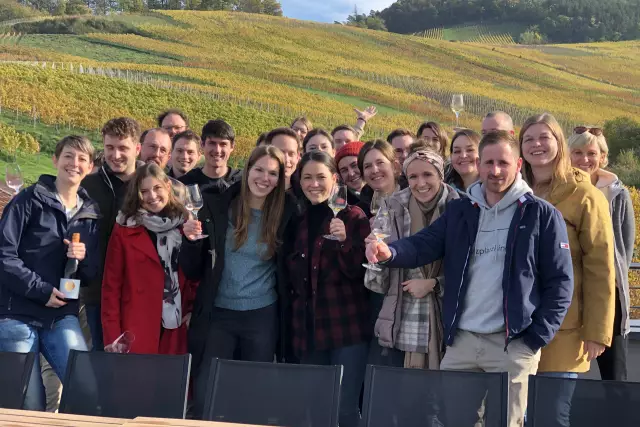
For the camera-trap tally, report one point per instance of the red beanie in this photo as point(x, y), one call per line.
point(349, 149)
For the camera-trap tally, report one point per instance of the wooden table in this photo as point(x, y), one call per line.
point(20, 418)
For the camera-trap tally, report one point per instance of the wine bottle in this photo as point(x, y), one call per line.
point(69, 286)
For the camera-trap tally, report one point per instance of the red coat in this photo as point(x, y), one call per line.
point(132, 289)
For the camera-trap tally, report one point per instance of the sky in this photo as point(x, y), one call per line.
point(329, 10)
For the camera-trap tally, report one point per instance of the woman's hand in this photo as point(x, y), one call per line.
point(186, 319)
point(192, 229)
point(593, 349)
point(75, 250)
point(419, 288)
point(336, 227)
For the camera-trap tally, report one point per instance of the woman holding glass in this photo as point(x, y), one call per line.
point(380, 170)
point(409, 325)
point(589, 152)
point(143, 289)
point(587, 328)
point(241, 299)
point(330, 307)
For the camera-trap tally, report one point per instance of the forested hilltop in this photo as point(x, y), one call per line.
point(557, 21)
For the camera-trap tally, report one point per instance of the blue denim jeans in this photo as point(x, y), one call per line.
point(557, 404)
point(94, 319)
point(54, 344)
point(353, 358)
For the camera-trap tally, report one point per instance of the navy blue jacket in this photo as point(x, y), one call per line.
point(33, 254)
point(537, 282)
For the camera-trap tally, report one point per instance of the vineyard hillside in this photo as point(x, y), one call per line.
point(260, 71)
point(502, 34)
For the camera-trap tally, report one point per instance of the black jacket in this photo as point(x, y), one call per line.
point(196, 259)
point(197, 176)
point(33, 254)
point(109, 192)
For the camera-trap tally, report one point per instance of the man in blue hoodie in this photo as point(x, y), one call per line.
point(35, 244)
point(509, 278)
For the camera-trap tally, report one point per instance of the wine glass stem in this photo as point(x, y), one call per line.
point(457, 119)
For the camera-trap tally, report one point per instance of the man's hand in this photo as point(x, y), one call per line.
point(368, 113)
point(56, 300)
point(377, 251)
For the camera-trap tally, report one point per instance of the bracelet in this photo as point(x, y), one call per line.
point(360, 118)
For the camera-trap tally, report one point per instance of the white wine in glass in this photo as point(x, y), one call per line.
point(13, 177)
point(337, 202)
point(457, 106)
point(194, 203)
point(381, 229)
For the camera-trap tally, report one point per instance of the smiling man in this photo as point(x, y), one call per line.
point(287, 141)
point(509, 274)
point(108, 187)
point(173, 121)
point(185, 154)
point(347, 160)
point(156, 147)
point(217, 142)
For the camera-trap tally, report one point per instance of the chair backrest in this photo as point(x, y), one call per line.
point(398, 397)
point(15, 370)
point(273, 394)
point(126, 385)
point(588, 402)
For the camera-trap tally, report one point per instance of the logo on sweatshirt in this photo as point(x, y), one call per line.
point(564, 245)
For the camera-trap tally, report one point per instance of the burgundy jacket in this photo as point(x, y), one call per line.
point(328, 294)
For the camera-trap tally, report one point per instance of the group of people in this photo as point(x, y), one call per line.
point(504, 253)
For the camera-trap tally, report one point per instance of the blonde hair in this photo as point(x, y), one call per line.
point(273, 207)
point(579, 140)
point(562, 162)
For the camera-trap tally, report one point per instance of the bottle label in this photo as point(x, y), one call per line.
point(70, 288)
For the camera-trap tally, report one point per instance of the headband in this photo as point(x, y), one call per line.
point(428, 156)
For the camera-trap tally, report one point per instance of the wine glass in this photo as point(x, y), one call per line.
point(194, 203)
point(337, 202)
point(381, 228)
point(13, 177)
point(376, 201)
point(457, 105)
point(122, 344)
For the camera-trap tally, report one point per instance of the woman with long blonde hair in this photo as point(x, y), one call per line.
point(588, 326)
point(241, 299)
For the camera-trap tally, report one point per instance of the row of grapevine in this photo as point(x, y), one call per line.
point(12, 141)
point(328, 121)
point(432, 33)
point(474, 104)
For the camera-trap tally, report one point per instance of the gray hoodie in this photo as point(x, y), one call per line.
point(482, 311)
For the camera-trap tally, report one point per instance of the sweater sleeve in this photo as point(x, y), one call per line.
point(595, 234)
point(555, 281)
point(424, 247)
point(15, 275)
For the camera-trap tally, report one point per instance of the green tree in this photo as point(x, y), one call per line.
point(77, 7)
point(622, 133)
point(627, 167)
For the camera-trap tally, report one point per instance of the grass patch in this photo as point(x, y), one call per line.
point(355, 101)
point(92, 49)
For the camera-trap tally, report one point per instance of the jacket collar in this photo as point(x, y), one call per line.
point(569, 185)
point(45, 191)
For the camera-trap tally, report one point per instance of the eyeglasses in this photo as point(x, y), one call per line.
point(579, 130)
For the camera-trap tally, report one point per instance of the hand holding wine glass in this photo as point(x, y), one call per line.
point(193, 204)
point(13, 177)
point(122, 344)
point(337, 202)
point(381, 229)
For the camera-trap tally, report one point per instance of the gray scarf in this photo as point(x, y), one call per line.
point(168, 247)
